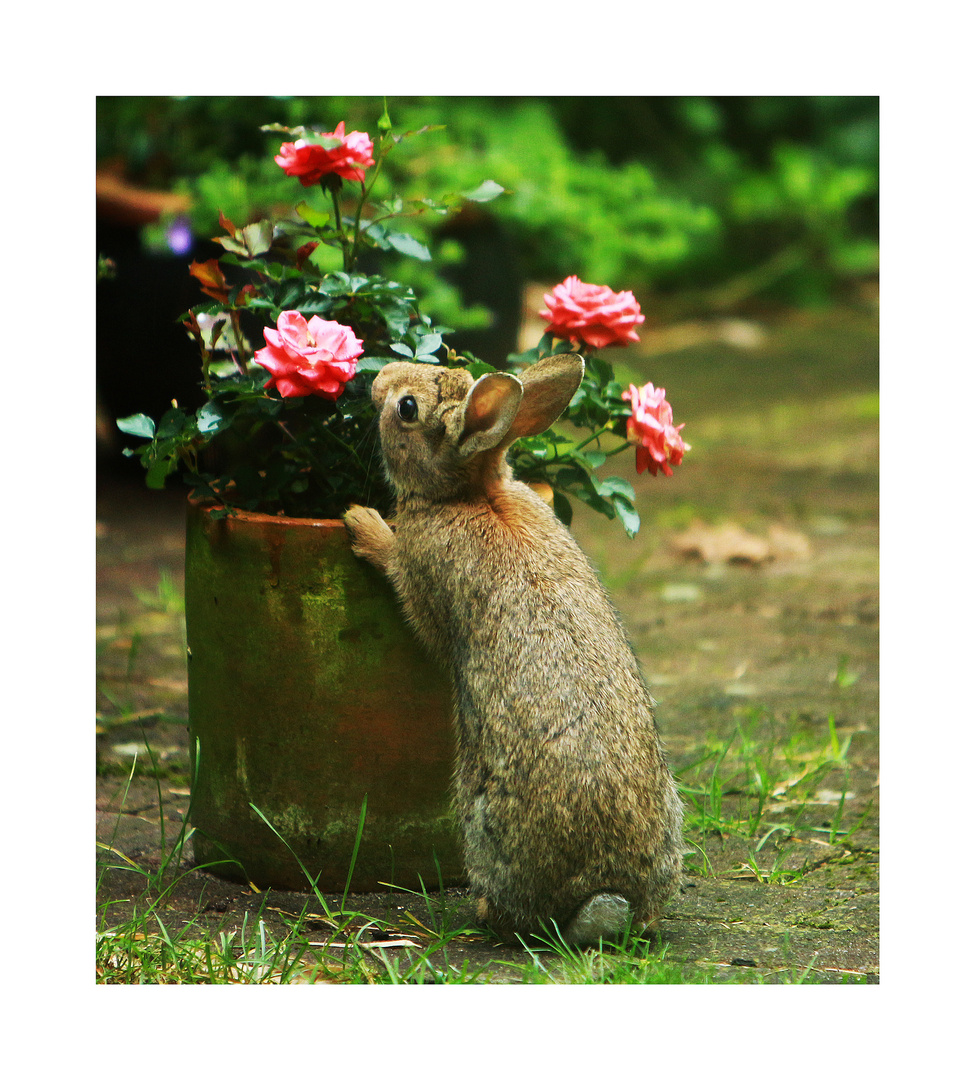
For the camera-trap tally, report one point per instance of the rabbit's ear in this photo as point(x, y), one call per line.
point(549, 385)
point(488, 410)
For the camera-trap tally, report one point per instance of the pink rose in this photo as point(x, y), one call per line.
point(592, 313)
point(314, 357)
point(310, 162)
point(651, 427)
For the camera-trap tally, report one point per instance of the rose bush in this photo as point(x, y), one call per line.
point(577, 311)
point(313, 357)
point(344, 155)
point(302, 442)
point(651, 427)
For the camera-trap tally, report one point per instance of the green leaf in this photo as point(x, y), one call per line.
point(477, 368)
point(231, 245)
point(403, 350)
point(628, 516)
point(372, 363)
point(302, 132)
point(485, 192)
point(596, 502)
point(527, 357)
point(137, 424)
point(298, 132)
point(613, 486)
point(408, 245)
point(173, 424)
point(159, 470)
point(315, 218)
point(210, 418)
point(337, 284)
point(563, 508)
point(258, 237)
point(419, 131)
point(428, 343)
point(397, 317)
point(290, 294)
point(599, 369)
point(437, 206)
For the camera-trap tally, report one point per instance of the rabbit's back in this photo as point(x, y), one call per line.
point(562, 787)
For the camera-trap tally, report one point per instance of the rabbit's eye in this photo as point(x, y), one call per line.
point(407, 408)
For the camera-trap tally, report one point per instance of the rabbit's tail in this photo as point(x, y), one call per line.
point(605, 915)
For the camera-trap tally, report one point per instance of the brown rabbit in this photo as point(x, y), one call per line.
point(568, 811)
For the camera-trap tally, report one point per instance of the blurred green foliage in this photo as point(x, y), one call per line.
point(729, 197)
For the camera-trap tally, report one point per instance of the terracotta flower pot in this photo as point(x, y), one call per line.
point(307, 694)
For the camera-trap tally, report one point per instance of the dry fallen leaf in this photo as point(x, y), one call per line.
point(721, 543)
point(733, 544)
point(788, 543)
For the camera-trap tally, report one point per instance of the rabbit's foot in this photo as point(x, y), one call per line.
point(372, 538)
point(605, 915)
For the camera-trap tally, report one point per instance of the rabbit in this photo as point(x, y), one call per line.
point(570, 818)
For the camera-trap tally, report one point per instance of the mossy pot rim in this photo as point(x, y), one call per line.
point(261, 517)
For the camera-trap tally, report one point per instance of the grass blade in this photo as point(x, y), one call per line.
point(355, 850)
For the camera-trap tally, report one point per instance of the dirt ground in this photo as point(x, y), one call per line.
point(751, 595)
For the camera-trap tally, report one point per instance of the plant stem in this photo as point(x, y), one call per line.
point(619, 449)
point(239, 339)
point(596, 434)
point(284, 427)
point(348, 256)
point(356, 225)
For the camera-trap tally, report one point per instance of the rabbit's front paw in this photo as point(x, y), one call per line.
point(371, 537)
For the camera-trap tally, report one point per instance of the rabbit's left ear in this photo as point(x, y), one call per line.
point(488, 411)
point(550, 385)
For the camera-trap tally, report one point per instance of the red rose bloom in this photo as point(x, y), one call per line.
point(309, 162)
point(314, 357)
point(591, 313)
point(651, 427)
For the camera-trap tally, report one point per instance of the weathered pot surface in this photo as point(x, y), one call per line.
point(307, 695)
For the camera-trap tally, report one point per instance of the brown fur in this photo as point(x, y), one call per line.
point(562, 788)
